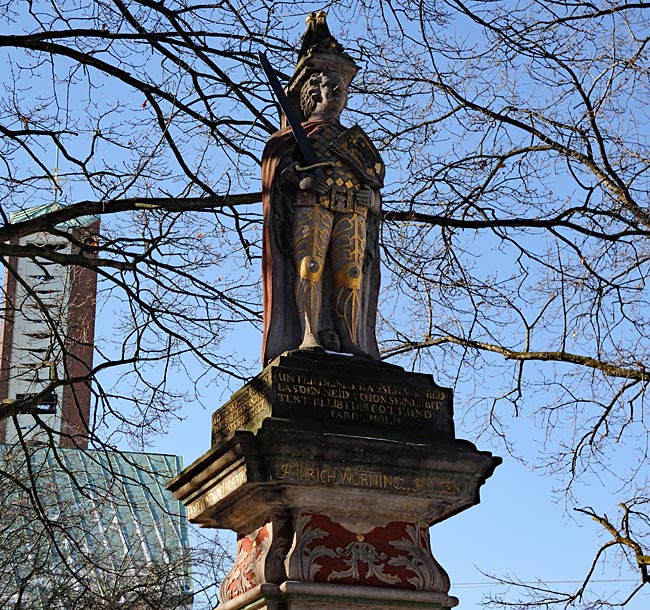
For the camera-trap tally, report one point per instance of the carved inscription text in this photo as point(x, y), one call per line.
point(217, 493)
point(371, 479)
point(237, 413)
point(352, 401)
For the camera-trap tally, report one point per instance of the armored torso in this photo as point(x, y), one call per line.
point(355, 164)
point(339, 177)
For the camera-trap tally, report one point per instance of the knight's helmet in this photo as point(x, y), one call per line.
point(319, 52)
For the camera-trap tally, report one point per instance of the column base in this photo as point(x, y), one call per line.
point(294, 595)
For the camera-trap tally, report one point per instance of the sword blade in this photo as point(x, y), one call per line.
point(302, 141)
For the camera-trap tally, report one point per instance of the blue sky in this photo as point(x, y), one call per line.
point(521, 527)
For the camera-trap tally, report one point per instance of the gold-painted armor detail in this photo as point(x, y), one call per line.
point(347, 249)
point(310, 269)
point(332, 225)
point(312, 228)
point(349, 277)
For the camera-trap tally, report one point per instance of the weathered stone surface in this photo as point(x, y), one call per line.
point(318, 596)
point(261, 597)
point(351, 394)
point(332, 510)
point(285, 465)
point(293, 595)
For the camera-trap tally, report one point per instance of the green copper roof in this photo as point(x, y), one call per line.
point(41, 210)
point(91, 525)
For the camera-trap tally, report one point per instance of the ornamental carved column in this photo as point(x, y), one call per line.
point(331, 472)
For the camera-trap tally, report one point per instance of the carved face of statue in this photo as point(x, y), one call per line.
point(324, 96)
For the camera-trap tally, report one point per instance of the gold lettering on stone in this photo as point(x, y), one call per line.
point(220, 491)
point(370, 479)
point(238, 412)
point(345, 401)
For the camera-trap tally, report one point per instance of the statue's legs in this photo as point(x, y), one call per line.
point(311, 231)
point(347, 247)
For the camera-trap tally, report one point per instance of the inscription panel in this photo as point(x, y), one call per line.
point(393, 402)
point(347, 401)
point(343, 476)
point(217, 493)
point(247, 408)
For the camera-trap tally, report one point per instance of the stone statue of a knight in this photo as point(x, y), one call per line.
point(321, 221)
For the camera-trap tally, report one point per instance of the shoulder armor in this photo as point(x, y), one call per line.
point(357, 150)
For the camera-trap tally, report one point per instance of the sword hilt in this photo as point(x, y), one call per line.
point(308, 168)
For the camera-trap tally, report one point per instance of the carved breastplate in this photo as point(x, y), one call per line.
point(339, 175)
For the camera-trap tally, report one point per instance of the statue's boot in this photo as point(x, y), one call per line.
point(309, 340)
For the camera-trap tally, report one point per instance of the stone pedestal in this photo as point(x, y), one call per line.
point(331, 470)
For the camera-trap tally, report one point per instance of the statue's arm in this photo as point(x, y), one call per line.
point(375, 207)
point(370, 198)
point(309, 181)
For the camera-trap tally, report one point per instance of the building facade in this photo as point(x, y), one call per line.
point(48, 329)
point(80, 527)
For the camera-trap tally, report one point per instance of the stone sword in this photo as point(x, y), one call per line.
point(302, 141)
